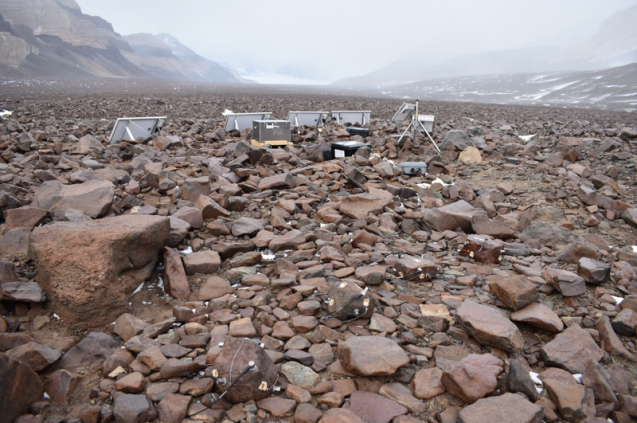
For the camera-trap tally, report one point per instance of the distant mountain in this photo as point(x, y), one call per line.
point(613, 88)
point(53, 38)
point(163, 56)
point(615, 44)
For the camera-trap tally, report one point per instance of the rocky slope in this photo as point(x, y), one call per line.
point(502, 286)
point(614, 88)
point(53, 38)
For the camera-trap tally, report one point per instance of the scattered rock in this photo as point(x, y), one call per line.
point(371, 356)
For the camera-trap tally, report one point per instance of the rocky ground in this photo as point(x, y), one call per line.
point(500, 287)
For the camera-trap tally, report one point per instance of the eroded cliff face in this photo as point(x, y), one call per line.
point(60, 18)
point(53, 38)
point(14, 49)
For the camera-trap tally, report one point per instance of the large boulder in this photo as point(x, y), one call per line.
point(234, 357)
point(94, 198)
point(456, 140)
point(89, 269)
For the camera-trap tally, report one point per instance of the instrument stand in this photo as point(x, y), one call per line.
point(417, 127)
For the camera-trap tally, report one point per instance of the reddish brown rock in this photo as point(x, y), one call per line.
point(20, 388)
point(371, 356)
point(61, 385)
point(371, 275)
point(173, 408)
point(237, 353)
point(473, 377)
point(27, 292)
point(489, 327)
point(37, 357)
point(130, 408)
point(242, 328)
point(289, 241)
point(340, 415)
point(307, 413)
point(210, 209)
point(214, 287)
point(278, 407)
point(574, 402)
point(374, 408)
point(610, 341)
point(300, 375)
point(175, 279)
point(571, 350)
point(357, 206)
point(204, 262)
point(593, 271)
point(127, 326)
point(540, 316)
point(90, 351)
point(428, 383)
point(625, 322)
point(505, 408)
point(403, 396)
point(516, 292)
point(112, 256)
point(131, 383)
point(94, 198)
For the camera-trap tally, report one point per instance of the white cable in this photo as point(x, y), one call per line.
point(235, 356)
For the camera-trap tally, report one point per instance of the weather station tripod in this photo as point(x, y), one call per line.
point(418, 128)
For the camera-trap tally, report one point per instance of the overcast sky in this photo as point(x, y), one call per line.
point(339, 38)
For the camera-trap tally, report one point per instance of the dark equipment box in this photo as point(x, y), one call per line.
point(346, 148)
point(363, 132)
point(413, 168)
point(271, 130)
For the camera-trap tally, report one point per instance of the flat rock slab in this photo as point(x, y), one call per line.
point(374, 408)
point(540, 316)
point(571, 349)
point(357, 206)
point(94, 198)
point(505, 408)
point(372, 356)
point(489, 327)
point(28, 292)
point(300, 375)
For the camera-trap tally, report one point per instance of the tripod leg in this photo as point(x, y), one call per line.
point(430, 139)
point(406, 129)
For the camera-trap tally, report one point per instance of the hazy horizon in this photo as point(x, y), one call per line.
point(333, 40)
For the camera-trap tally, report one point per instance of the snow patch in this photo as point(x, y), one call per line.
point(526, 138)
point(437, 180)
point(139, 288)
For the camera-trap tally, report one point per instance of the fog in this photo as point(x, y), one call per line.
point(329, 39)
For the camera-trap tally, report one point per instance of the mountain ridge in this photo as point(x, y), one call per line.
point(53, 38)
